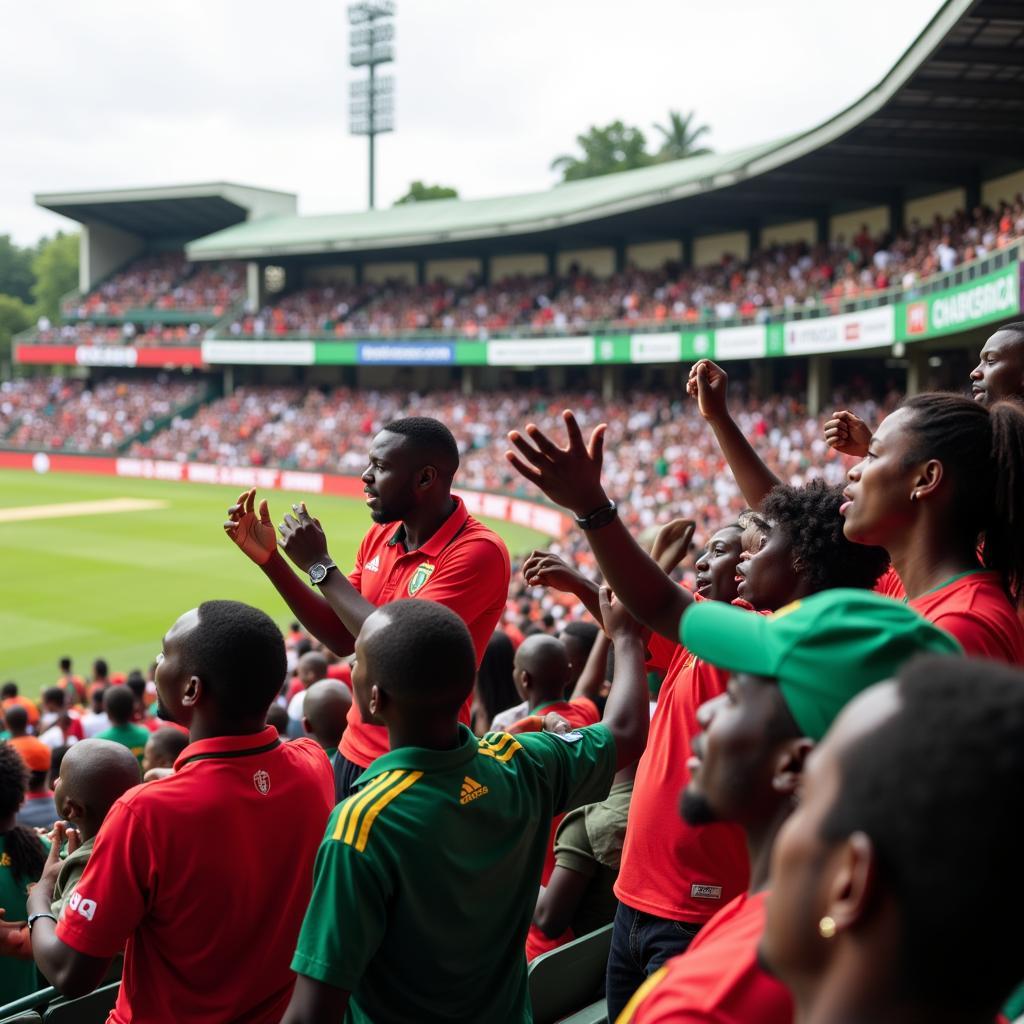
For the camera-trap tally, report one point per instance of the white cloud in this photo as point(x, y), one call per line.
point(121, 93)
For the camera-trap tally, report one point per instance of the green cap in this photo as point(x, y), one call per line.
point(823, 650)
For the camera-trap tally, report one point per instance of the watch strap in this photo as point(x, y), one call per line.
point(599, 517)
point(32, 918)
point(327, 564)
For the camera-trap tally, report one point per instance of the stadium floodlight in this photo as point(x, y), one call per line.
point(371, 102)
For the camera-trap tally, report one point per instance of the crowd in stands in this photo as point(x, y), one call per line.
point(836, 742)
point(780, 277)
point(82, 332)
point(77, 415)
point(165, 281)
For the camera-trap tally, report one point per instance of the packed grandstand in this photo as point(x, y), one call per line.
point(808, 358)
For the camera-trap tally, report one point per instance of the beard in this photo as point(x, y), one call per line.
point(695, 809)
point(163, 713)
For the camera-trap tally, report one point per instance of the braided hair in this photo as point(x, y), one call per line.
point(21, 845)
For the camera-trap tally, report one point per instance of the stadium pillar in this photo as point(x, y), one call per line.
point(421, 272)
point(686, 249)
point(818, 374)
point(608, 382)
point(485, 270)
point(821, 225)
point(552, 258)
point(755, 238)
point(896, 214)
point(620, 257)
point(917, 370)
point(972, 193)
point(253, 287)
point(229, 381)
point(467, 380)
point(358, 269)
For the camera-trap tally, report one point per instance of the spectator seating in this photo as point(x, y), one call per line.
point(566, 984)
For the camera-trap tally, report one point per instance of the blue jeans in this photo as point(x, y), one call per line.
point(641, 943)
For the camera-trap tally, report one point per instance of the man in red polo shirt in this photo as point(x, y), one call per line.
point(423, 544)
point(181, 870)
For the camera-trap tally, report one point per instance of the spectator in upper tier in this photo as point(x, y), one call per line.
point(119, 704)
point(909, 819)
point(444, 825)
point(162, 887)
point(67, 680)
point(22, 855)
point(32, 750)
point(163, 748)
point(790, 675)
point(95, 720)
point(61, 724)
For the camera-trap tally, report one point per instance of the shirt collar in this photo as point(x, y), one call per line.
point(442, 536)
point(422, 759)
point(234, 745)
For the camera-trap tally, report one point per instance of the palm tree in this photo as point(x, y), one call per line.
point(681, 136)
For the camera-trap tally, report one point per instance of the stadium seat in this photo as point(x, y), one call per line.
point(566, 984)
point(28, 1017)
point(91, 1009)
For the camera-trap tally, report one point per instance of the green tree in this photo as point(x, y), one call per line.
point(615, 147)
point(56, 270)
point(680, 137)
point(16, 275)
point(15, 316)
point(420, 193)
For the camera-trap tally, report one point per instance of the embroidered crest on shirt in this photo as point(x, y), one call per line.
point(261, 780)
point(373, 565)
point(471, 790)
point(423, 573)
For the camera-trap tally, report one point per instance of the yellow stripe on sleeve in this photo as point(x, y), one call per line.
point(511, 749)
point(350, 809)
point(371, 815)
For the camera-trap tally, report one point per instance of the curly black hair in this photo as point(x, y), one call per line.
point(809, 517)
point(27, 854)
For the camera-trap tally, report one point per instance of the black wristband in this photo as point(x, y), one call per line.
point(599, 517)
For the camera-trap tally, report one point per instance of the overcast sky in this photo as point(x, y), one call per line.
point(116, 93)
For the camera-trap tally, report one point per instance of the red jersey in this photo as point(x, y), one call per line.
point(465, 566)
point(578, 712)
point(974, 608)
point(718, 979)
point(889, 584)
point(341, 671)
point(210, 926)
point(671, 869)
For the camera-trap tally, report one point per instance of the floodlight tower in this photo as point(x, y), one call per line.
point(371, 107)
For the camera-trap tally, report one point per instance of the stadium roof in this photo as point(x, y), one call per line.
point(949, 113)
point(180, 211)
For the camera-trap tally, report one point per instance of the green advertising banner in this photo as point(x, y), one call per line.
point(978, 302)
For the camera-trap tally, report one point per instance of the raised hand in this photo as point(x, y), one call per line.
point(848, 434)
point(570, 476)
point(709, 384)
point(672, 543)
point(51, 869)
point(303, 539)
point(617, 621)
point(544, 569)
point(15, 940)
point(252, 531)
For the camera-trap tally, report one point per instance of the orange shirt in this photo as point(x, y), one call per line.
point(23, 702)
point(974, 609)
point(671, 869)
point(36, 754)
point(465, 566)
point(718, 979)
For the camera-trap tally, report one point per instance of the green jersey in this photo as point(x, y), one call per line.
point(426, 881)
point(17, 977)
point(132, 736)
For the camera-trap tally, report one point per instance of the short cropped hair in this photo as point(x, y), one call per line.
point(809, 517)
point(432, 438)
point(119, 703)
point(423, 655)
point(238, 653)
point(936, 788)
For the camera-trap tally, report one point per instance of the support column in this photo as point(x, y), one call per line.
point(421, 272)
point(254, 288)
point(467, 380)
point(229, 381)
point(917, 370)
point(358, 273)
point(755, 238)
point(818, 383)
point(972, 192)
point(485, 270)
point(686, 246)
point(552, 258)
point(821, 227)
point(620, 257)
point(608, 382)
point(896, 214)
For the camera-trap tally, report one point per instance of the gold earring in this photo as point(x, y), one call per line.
point(913, 495)
point(827, 927)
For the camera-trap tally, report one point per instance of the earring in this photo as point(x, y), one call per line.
point(913, 495)
point(827, 927)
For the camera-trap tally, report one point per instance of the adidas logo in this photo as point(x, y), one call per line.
point(471, 790)
point(373, 565)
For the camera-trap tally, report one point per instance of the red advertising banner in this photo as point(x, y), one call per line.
point(542, 518)
point(107, 355)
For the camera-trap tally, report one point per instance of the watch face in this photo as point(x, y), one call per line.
point(318, 573)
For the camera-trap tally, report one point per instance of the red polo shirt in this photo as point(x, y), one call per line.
point(206, 875)
point(671, 869)
point(718, 979)
point(974, 608)
point(465, 566)
point(578, 712)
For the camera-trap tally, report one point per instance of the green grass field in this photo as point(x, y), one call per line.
point(109, 585)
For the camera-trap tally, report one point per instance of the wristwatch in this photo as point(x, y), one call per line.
point(32, 918)
point(318, 573)
point(599, 517)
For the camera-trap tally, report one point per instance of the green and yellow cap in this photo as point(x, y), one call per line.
point(822, 650)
